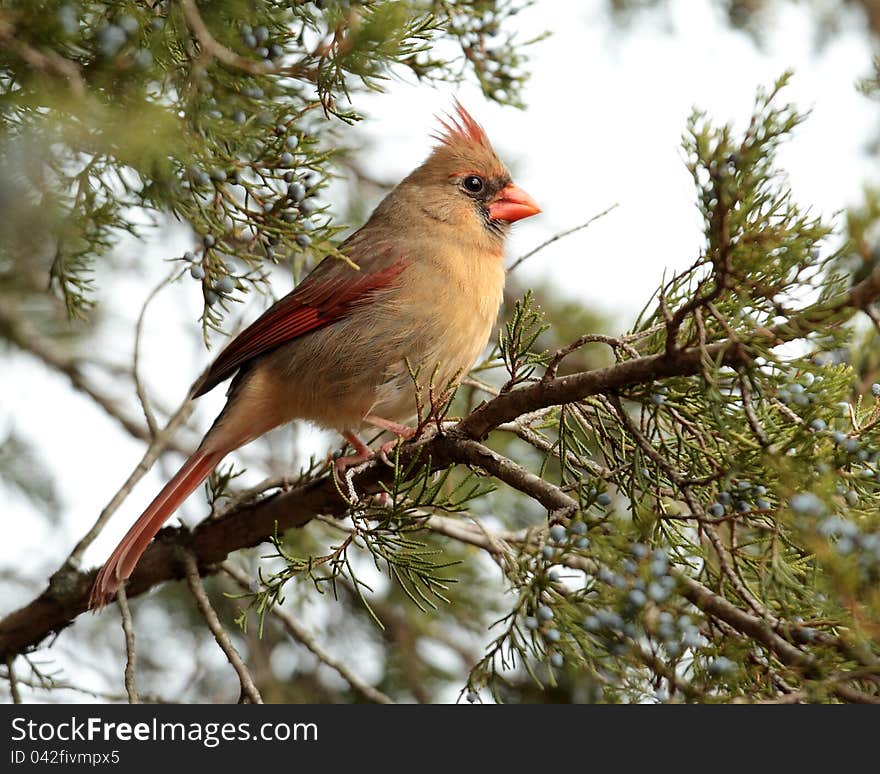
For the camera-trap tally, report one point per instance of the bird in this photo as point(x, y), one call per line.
point(417, 298)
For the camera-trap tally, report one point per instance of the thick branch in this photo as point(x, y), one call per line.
point(247, 526)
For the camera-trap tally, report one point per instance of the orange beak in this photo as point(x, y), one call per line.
point(512, 203)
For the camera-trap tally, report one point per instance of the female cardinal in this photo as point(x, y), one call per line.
point(338, 350)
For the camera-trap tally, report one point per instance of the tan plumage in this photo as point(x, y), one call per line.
point(334, 351)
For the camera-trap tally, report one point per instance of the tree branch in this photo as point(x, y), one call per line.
point(251, 524)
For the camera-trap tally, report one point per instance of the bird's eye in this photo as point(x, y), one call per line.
point(473, 184)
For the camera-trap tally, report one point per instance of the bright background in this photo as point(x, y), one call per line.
point(606, 111)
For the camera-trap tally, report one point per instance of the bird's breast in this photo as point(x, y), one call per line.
point(447, 307)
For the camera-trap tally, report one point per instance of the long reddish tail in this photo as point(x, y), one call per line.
point(126, 555)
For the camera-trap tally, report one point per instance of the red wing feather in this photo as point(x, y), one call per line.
point(322, 298)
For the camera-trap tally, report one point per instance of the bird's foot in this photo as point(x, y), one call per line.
point(362, 454)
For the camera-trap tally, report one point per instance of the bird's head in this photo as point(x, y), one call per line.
point(464, 184)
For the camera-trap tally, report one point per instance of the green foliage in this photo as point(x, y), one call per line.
point(759, 481)
point(211, 112)
point(516, 341)
point(388, 529)
point(745, 488)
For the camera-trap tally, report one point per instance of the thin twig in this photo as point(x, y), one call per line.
point(135, 368)
point(154, 450)
point(558, 236)
point(588, 338)
point(248, 689)
point(300, 634)
point(130, 654)
point(13, 681)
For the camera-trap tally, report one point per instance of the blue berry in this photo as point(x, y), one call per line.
point(143, 59)
point(640, 550)
point(818, 425)
point(129, 24)
point(218, 175)
point(211, 297)
point(845, 545)
point(547, 552)
point(557, 533)
point(545, 613)
point(838, 437)
point(604, 499)
point(531, 623)
point(557, 660)
point(261, 33)
point(291, 142)
point(224, 285)
point(744, 486)
point(553, 635)
point(197, 272)
point(875, 390)
point(742, 506)
point(583, 542)
point(637, 598)
point(249, 40)
point(553, 575)
point(721, 666)
point(592, 624)
point(303, 240)
point(578, 528)
point(657, 399)
point(716, 510)
point(472, 696)
point(724, 498)
point(307, 206)
point(763, 505)
point(760, 490)
point(110, 39)
point(239, 117)
point(286, 159)
point(67, 18)
point(296, 191)
point(610, 619)
point(657, 592)
point(189, 256)
point(806, 503)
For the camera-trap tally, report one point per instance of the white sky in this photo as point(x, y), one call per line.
point(606, 111)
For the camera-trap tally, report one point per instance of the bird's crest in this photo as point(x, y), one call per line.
point(461, 128)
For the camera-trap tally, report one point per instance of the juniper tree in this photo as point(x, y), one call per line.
point(685, 511)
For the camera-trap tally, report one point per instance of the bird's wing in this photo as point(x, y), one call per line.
point(327, 294)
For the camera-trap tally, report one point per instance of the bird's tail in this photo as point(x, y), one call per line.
point(126, 555)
